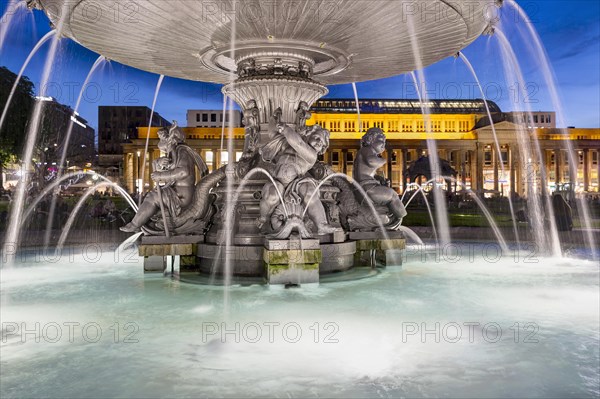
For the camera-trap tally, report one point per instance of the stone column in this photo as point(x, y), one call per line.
point(497, 159)
point(598, 169)
point(404, 168)
point(473, 168)
point(544, 173)
point(128, 172)
point(512, 171)
point(517, 171)
point(390, 156)
point(586, 169)
point(216, 159)
point(147, 178)
point(345, 161)
point(557, 167)
point(574, 169)
point(479, 167)
point(463, 168)
point(136, 171)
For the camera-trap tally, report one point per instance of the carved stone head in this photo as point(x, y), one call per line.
point(374, 137)
point(170, 138)
point(317, 138)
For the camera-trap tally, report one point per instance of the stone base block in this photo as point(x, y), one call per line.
point(245, 260)
point(337, 257)
point(390, 257)
point(380, 251)
point(166, 249)
point(299, 274)
point(159, 240)
point(365, 245)
point(337, 237)
point(154, 264)
point(293, 256)
point(376, 235)
point(292, 244)
point(292, 261)
point(188, 264)
point(160, 246)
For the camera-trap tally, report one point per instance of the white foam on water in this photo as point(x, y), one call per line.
point(347, 339)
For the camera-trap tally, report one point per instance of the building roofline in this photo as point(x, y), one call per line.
point(410, 106)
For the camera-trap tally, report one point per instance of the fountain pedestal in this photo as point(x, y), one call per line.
point(155, 250)
point(292, 261)
point(372, 248)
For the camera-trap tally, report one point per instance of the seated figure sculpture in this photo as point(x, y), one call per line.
point(367, 161)
point(291, 155)
point(177, 172)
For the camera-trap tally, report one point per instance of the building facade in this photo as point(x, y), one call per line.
point(118, 125)
point(212, 118)
point(56, 121)
point(463, 134)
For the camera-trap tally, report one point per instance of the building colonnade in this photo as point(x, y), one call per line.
point(478, 165)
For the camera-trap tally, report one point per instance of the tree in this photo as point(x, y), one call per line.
point(14, 129)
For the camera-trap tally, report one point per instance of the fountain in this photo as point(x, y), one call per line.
point(459, 319)
point(274, 73)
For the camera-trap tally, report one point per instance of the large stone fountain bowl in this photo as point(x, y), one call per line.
point(343, 40)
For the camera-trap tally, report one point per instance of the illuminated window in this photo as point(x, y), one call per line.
point(208, 158)
point(335, 158)
point(487, 157)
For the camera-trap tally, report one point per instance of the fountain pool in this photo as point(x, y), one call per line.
point(105, 330)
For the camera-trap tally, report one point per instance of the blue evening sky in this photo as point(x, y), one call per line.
point(569, 29)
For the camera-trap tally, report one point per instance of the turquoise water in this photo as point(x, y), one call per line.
point(100, 328)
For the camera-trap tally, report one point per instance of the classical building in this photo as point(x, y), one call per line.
point(118, 125)
point(537, 119)
point(212, 118)
point(462, 131)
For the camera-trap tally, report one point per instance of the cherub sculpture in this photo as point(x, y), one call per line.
point(302, 115)
point(368, 160)
point(176, 177)
point(291, 155)
point(252, 128)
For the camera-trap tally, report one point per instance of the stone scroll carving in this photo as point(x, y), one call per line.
point(250, 68)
